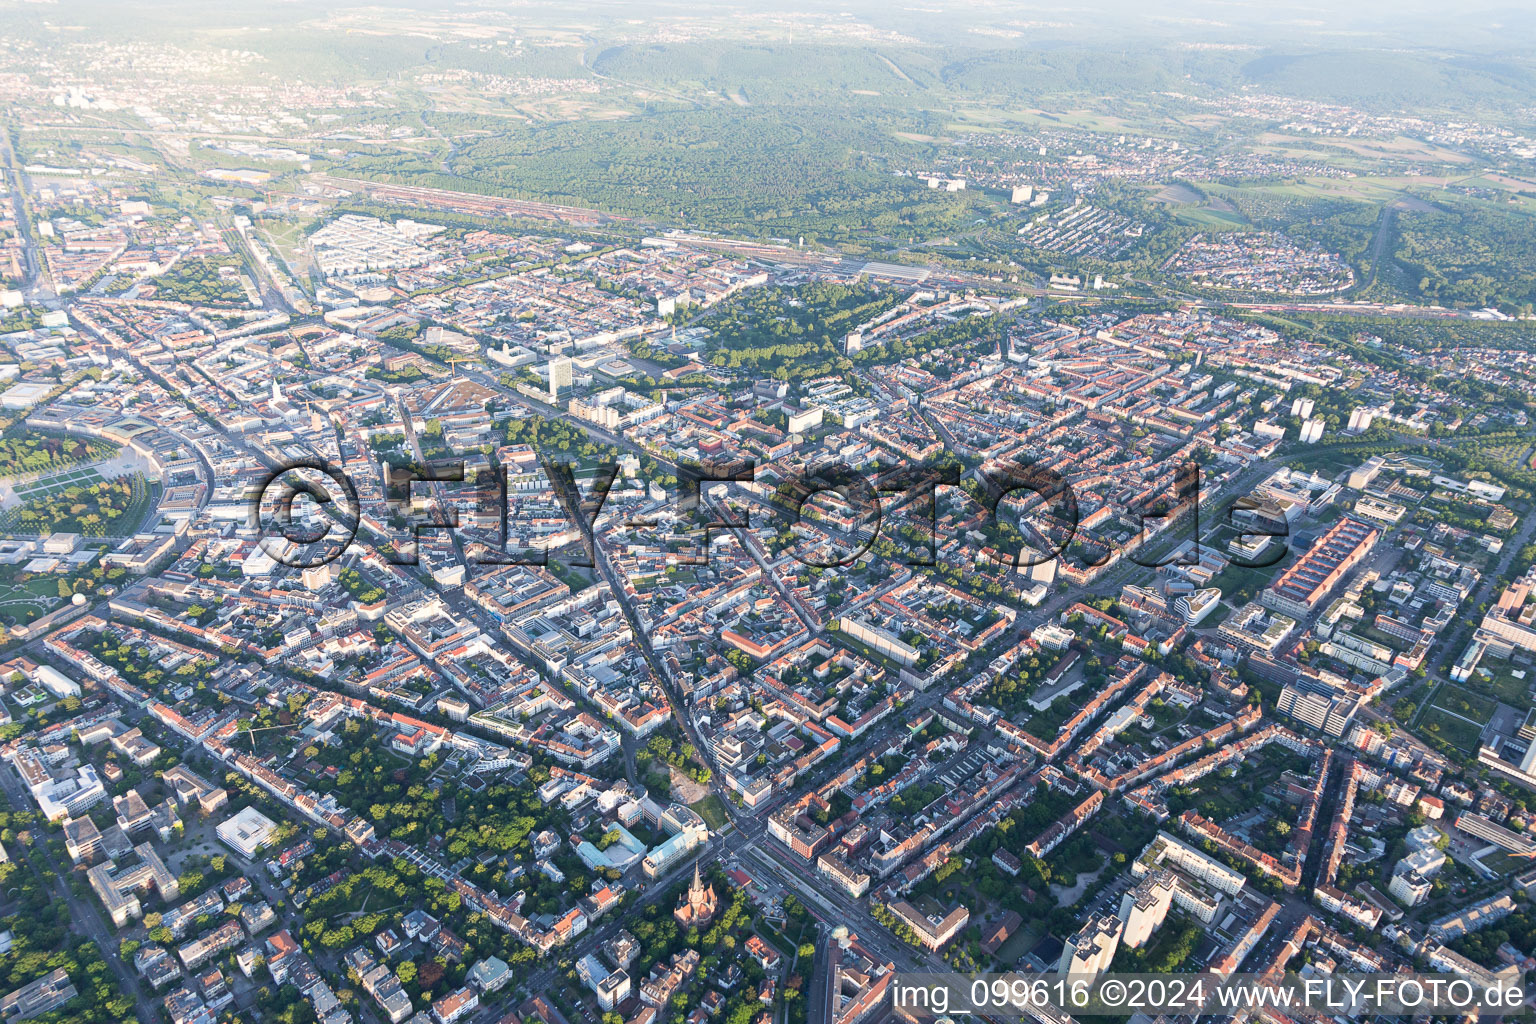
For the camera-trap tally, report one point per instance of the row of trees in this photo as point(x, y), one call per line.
point(95, 510)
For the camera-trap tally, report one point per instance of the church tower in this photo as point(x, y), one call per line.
point(698, 905)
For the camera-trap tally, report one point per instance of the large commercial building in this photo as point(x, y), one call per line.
point(61, 796)
point(1165, 850)
point(1356, 651)
point(879, 640)
point(1479, 827)
point(247, 832)
point(118, 890)
point(1305, 585)
point(1194, 607)
point(1253, 629)
point(688, 833)
point(1510, 624)
point(355, 246)
point(559, 375)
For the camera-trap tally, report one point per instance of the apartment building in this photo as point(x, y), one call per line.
point(1144, 907)
point(1325, 708)
point(1091, 950)
point(932, 930)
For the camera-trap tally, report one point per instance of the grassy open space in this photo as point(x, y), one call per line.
point(1207, 219)
point(1327, 462)
point(1464, 703)
point(1458, 732)
point(1044, 724)
point(712, 810)
point(1019, 943)
point(1240, 585)
point(1503, 863)
point(117, 509)
point(58, 482)
point(575, 578)
point(1502, 684)
point(23, 602)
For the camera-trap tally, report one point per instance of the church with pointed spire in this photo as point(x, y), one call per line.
point(698, 905)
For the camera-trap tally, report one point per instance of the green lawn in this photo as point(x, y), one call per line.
point(1503, 686)
point(1019, 943)
point(1211, 220)
point(1465, 703)
point(1240, 585)
point(1461, 734)
point(577, 579)
point(57, 482)
point(20, 607)
point(1046, 723)
point(1503, 863)
point(712, 810)
point(1323, 461)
